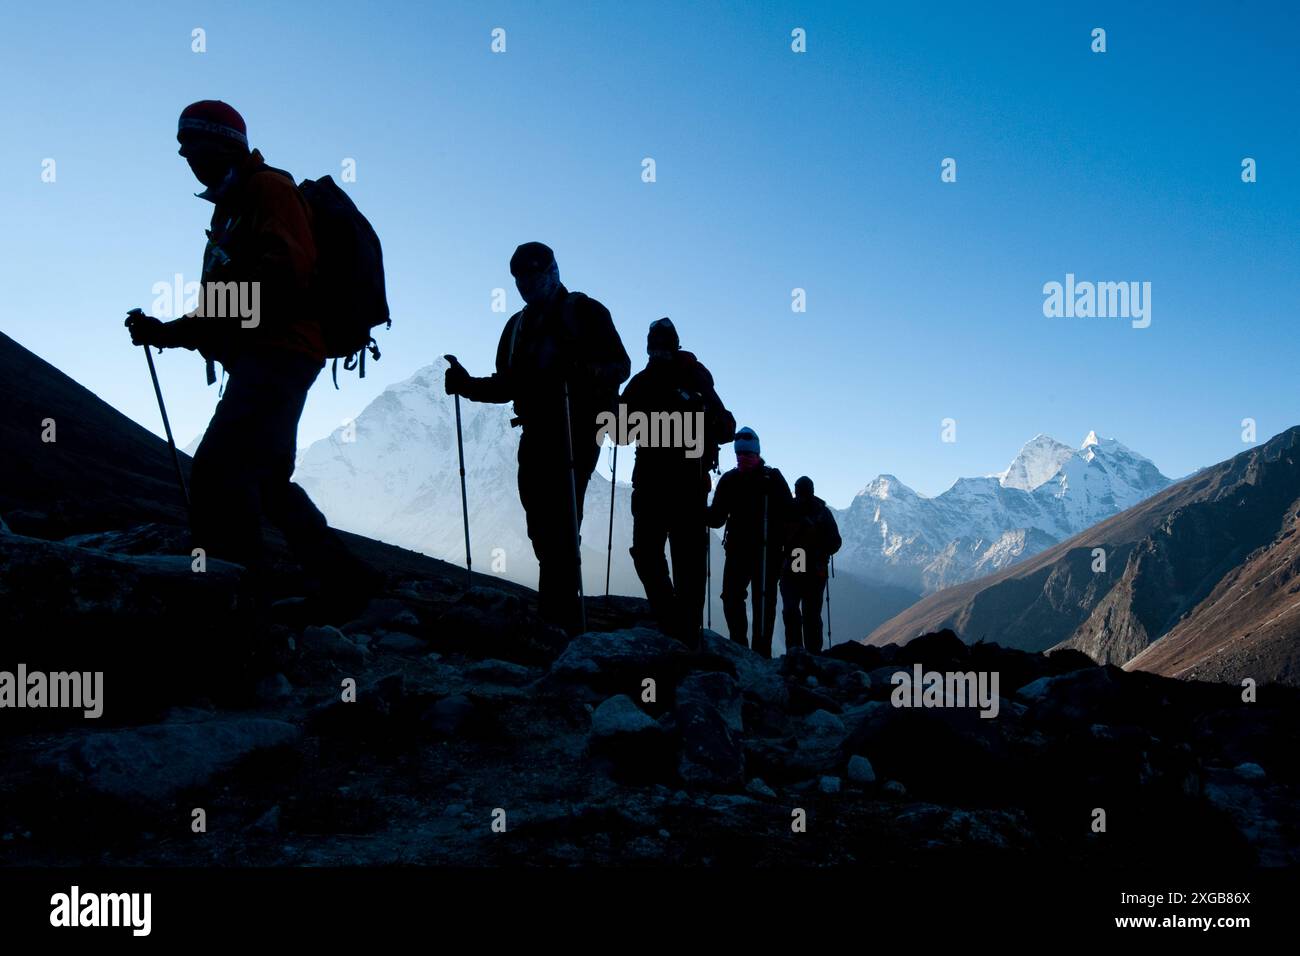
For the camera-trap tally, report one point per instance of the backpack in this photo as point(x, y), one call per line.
point(347, 289)
point(719, 424)
point(606, 401)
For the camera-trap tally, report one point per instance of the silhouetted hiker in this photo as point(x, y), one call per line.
point(261, 233)
point(670, 482)
point(559, 337)
point(812, 536)
point(753, 501)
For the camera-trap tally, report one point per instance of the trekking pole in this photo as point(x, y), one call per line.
point(830, 640)
point(762, 580)
point(708, 577)
point(464, 500)
point(708, 561)
point(609, 545)
point(573, 508)
point(167, 427)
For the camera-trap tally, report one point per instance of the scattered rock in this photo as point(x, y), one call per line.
point(619, 715)
point(273, 688)
point(620, 659)
point(829, 784)
point(894, 789)
point(329, 642)
point(402, 643)
point(712, 756)
point(758, 677)
point(500, 672)
point(860, 770)
point(820, 737)
point(448, 715)
point(1249, 771)
point(269, 822)
point(760, 789)
point(717, 690)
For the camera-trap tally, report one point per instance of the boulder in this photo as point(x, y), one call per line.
point(501, 672)
point(758, 677)
point(490, 623)
point(1091, 695)
point(861, 656)
point(157, 761)
point(329, 642)
point(619, 660)
point(806, 700)
point(820, 736)
point(637, 747)
point(940, 651)
point(401, 643)
point(1249, 771)
point(618, 716)
point(717, 690)
point(386, 614)
point(141, 539)
point(712, 755)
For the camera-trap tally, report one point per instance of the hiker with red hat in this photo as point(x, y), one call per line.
point(260, 251)
point(560, 361)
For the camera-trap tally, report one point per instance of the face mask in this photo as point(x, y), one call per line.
point(538, 288)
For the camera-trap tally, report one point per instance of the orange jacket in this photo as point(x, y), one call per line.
point(260, 233)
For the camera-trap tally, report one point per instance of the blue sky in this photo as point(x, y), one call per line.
point(775, 170)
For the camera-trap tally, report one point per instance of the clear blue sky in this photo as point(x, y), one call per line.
point(775, 171)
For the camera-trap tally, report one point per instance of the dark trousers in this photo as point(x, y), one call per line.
point(675, 516)
point(544, 493)
point(741, 573)
point(243, 466)
point(801, 609)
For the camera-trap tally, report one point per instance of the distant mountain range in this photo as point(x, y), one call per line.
point(981, 525)
point(1201, 580)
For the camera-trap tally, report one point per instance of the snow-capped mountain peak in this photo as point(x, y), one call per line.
point(1048, 493)
point(887, 486)
point(1040, 458)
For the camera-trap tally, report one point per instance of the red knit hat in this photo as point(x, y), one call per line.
point(212, 120)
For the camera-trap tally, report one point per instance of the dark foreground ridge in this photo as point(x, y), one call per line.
point(469, 713)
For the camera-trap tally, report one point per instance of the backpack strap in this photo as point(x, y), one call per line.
point(514, 337)
point(570, 316)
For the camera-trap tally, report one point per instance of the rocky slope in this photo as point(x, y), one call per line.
point(477, 736)
point(445, 724)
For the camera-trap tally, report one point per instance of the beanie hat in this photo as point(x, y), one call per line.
point(662, 336)
point(531, 258)
point(747, 441)
point(803, 488)
point(213, 121)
